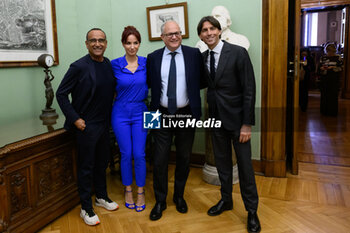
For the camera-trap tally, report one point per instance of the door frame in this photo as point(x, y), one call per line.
point(274, 87)
point(296, 81)
point(321, 3)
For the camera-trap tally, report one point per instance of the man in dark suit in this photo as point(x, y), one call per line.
point(173, 74)
point(231, 99)
point(91, 83)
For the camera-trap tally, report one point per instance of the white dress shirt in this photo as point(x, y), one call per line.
point(217, 52)
point(181, 87)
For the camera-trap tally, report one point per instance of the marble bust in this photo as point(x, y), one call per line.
point(223, 16)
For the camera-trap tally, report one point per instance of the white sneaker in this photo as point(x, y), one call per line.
point(90, 218)
point(106, 203)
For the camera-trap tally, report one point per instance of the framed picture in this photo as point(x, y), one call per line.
point(27, 30)
point(158, 15)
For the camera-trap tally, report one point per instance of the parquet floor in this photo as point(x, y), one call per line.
point(323, 139)
point(316, 200)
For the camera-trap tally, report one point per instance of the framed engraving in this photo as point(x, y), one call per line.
point(158, 15)
point(27, 30)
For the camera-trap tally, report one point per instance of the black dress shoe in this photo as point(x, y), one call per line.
point(253, 224)
point(181, 205)
point(157, 210)
point(220, 207)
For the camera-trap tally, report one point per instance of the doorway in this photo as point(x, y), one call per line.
point(319, 139)
point(322, 137)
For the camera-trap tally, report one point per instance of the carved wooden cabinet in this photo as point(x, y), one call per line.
point(37, 181)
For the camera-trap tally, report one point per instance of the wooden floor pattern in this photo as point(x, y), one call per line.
point(316, 200)
point(324, 139)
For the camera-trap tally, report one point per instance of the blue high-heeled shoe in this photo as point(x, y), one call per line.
point(129, 205)
point(140, 208)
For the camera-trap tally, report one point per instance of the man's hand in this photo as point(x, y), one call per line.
point(246, 133)
point(80, 124)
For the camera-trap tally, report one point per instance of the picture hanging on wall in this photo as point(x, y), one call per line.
point(158, 15)
point(27, 30)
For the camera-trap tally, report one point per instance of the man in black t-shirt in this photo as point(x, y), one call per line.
point(91, 83)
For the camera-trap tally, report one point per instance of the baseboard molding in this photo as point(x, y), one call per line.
point(257, 165)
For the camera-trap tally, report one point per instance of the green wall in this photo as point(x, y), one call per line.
point(22, 90)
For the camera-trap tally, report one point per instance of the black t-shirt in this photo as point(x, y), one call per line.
point(100, 106)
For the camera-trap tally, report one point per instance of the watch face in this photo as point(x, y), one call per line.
point(49, 60)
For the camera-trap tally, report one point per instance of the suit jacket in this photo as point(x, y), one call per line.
point(80, 82)
point(194, 75)
point(231, 95)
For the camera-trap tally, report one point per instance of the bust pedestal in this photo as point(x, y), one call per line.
point(210, 173)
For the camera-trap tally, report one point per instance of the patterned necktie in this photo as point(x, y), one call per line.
point(212, 65)
point(171, 92)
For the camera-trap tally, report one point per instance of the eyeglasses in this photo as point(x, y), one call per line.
point(169, 35)
point(93, 41)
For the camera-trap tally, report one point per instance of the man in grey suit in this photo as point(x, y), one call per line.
point(231, 99)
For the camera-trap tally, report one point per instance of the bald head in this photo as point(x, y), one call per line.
point(169, 23)
point(171, 35)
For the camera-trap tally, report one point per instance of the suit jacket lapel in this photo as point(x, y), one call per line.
point(224, 56)
point(207, 72)
point(92, 74)
point(158, 61)
point(186, 61)
point(91, 67)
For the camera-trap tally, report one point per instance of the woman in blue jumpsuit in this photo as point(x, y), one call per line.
point(127, 115)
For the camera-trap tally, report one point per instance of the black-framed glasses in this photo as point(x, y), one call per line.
point(94, 41)
point(169, 35)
